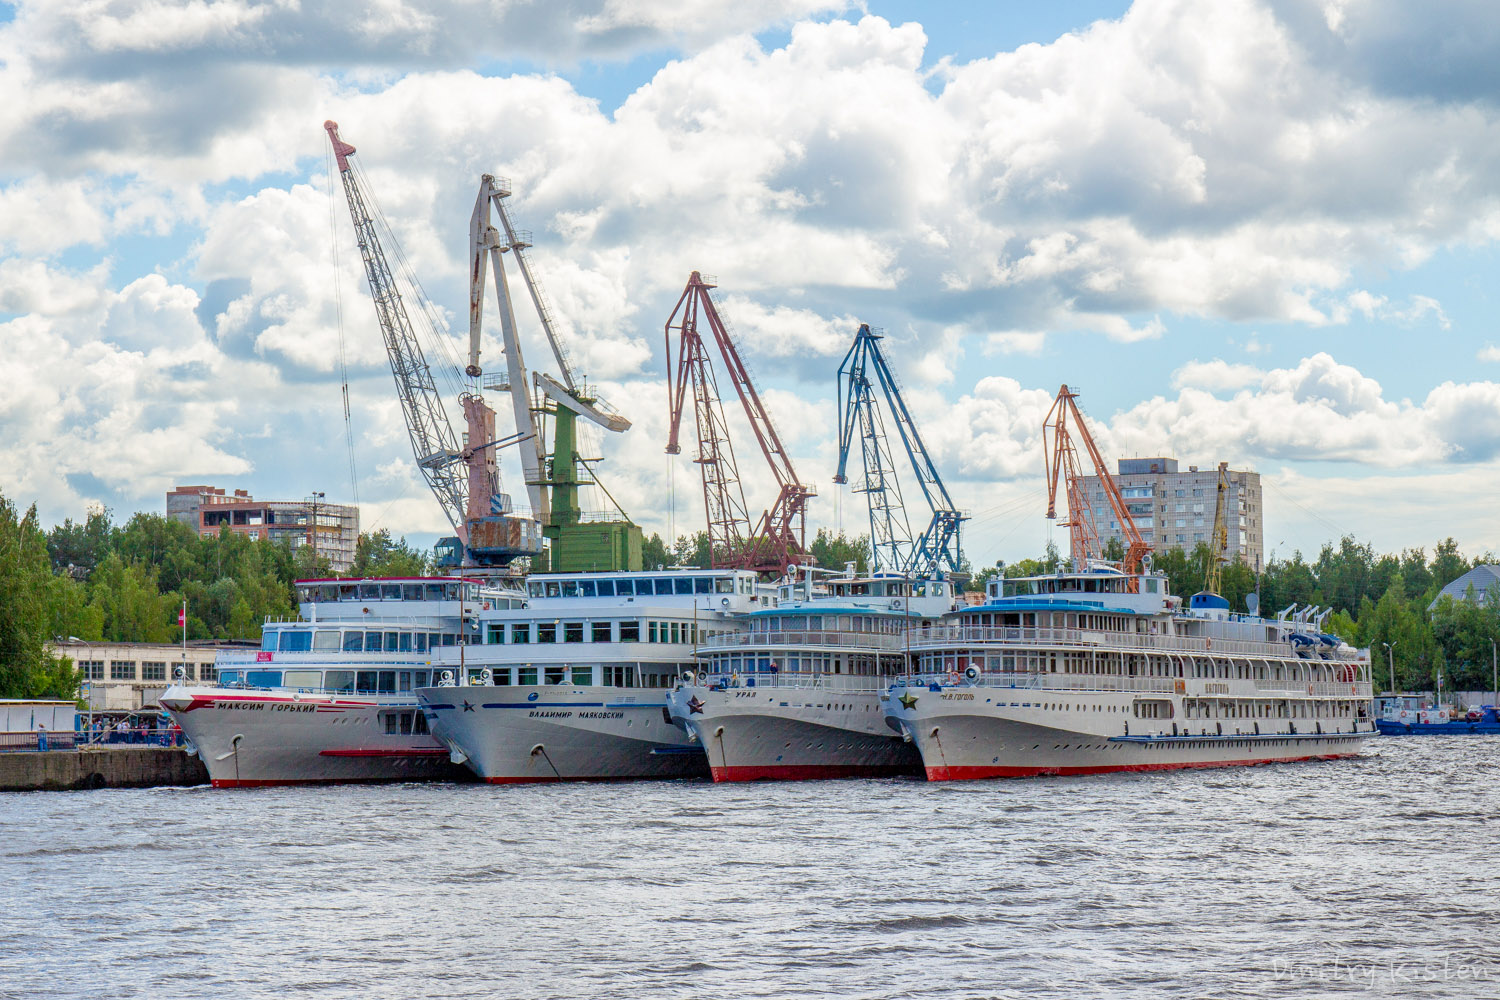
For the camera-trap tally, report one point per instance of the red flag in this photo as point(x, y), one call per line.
point(182, 618)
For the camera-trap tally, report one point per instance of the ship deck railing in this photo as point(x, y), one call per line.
point(1231, 689)
point(944, 636)
point(875, 641)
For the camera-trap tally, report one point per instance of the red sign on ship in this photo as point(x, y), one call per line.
point(263, 657)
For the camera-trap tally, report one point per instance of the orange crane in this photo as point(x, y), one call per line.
point(780, 536)
point(1062, 463)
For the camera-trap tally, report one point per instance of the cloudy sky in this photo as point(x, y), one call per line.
point(1260, 231)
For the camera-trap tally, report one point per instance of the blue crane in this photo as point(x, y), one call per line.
point(894, 549)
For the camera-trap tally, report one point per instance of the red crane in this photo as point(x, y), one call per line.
point(780, 535)
point(1062, 462)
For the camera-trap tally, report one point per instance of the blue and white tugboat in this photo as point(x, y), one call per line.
point(1419, 715)
point(1096, 670)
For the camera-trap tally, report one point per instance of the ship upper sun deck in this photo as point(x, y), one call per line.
point(663, 583)
point(402, 588)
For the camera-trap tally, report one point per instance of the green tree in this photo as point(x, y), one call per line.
point(77, 548)
point(1447, 564)
point(691, 550)
point(654, 552)
point(834, 551)
point(27, 669)
point(377, 554)
point(127, 598)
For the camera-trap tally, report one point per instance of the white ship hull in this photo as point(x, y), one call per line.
point(518, 734)
point(250, 738)
point(793, 733)
point(960, 736)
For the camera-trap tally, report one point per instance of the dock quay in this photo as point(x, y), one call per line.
point(127, 766)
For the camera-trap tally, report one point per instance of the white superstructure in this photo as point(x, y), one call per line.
point(330, 696)
point(573, 685)
point(798, 692)
point(1086, 672)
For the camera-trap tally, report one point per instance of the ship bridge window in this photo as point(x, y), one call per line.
point(325, 641)
point(534, 589)
point(263, 678)
point(229, 678)
point(432, 591)
point(411, 591)
point(569, 588)
point(643, 588)
point(585, 588)
point(606, 588)
point(683, 585)
point(390, 591)
point(296, 640)
point(663, 586)
point(268, 639)
point(369, 592)
point(724, 585)
point(303, 680)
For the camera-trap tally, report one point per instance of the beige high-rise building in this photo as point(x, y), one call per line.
point(1173, 509)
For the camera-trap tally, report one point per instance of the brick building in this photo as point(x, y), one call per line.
point(333, 529)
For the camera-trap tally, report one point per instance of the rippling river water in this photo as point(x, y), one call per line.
point(1371, 876)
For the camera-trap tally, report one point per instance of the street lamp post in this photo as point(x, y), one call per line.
point(312, 535)
point(1494, 673)
point(1390, 662)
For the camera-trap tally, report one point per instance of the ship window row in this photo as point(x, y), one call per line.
point(303, 640)
point(656, 586)
point(1031, 619)
point(877, 624)
point(447, 590)
point(857, 664)
point(628, 630)
point(405, 723)
point(331, 681)
point(1279, 708)
point(625, 675)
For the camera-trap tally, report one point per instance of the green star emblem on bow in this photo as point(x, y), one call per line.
point(908, 700)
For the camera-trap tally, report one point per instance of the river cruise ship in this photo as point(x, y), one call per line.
point(331, 695)
point(798, 692)
point(1096, 671)
point(573, 685)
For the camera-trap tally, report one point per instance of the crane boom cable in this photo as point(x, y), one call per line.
point(338, 308)
point(432, 438)
point(438, 336)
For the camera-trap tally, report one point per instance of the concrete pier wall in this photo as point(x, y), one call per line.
point(99, 767)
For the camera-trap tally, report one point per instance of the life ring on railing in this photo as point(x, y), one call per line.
point(953, 678)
